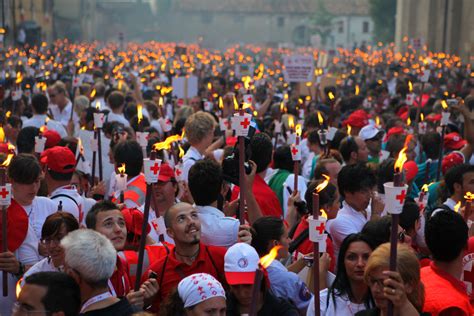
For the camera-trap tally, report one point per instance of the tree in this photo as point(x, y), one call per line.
point(321, 21)
point(383, 14)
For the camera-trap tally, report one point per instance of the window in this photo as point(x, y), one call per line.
point(340, 26)
point(281, 21)
point(365, 27)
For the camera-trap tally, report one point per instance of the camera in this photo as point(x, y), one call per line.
point(230, 166)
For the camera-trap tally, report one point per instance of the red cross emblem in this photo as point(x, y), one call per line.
point(294, 150)
point(401, 196)
point(4, 193)
point(468, 275)
point(155, 225)
point(245, 123)
point(321, 228)
point(155, 168)
point(178, 172)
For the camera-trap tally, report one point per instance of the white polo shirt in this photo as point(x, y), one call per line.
point(189, 159)
point(216, 228)
point(37, 211)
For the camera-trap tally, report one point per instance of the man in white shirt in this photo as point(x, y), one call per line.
point(61, 106)
point(208, 191)
point(356, 184)
point(459, 180)
point(59, 165)
point(116, 101)
point(39, 103)
point(200, 133)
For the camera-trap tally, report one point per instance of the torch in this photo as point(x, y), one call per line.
point(296, 155)
point(121, 181)
point(99, 123)
point(444, 122)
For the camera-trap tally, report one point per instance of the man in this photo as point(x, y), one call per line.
point(446, 236)
point(353, 150)
point(59, 165)
point(328, 166)
point(90, 260)
point(107, 219)
point(261, 149)
point(130, 153)
point(459, 180)
point(373, 139)
point(314, 151)
point(431, 144)
point(51, 293)
point(189, 256)
point(356, 185)
point(200, 133)
point(39, 103)
point(116, 101)
point(25, 176)
point(207, 188)
point(26, 140)
point(61, 106)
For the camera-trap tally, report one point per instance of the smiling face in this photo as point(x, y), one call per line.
point(112, 225)
point(185, 226)
point(25, 193)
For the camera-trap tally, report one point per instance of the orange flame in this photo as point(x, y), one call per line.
point(266, 260)
point(93, 93)
point(19, 77)
point(422, 117)
point(320, 118)
point(121, 169)
point(6, 162)
point(42, 129)
point(221, 103)
point(457, 207)
point(410, 86)
point(469, 196)
point(444, 104)
point(8, 114)
point(349, 130)
point(402, 158)
point(377, 120)
point(236, 104)
point(81, 148)
point(424, 188)
point(331, 96)
point(140, 113)
point(323, 184)
point(18, 288)
point(209, 86)
point(246, 80)
point(298, 130)
point(2, 134)
point(181, 152)
point(166, 144)
point(357, 89)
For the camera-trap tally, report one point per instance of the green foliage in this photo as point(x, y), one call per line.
point(383, 14)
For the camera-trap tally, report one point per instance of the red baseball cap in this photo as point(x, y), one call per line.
point(59, 159)
point(134, 221)
point(166, 173)
point(358, 118)
point(411, 169)
point(454, 141)
point(397, 130)
point(434, 117)
point(450, 160)
point(52, 138)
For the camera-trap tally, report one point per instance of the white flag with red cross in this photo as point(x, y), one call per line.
point(410, 99)
point(6, 194)
point(394, 197)
point(77, 81)
point(151, 168)
point(99, 119)
point(425, 75)
point(178, 171)
point(295, 152)
point(142, 138)
point(16, 95)
point(317, 228)
point(165, 124)
point(224, 124)
point(241, 124)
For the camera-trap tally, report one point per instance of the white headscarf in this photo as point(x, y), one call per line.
point(199, 287)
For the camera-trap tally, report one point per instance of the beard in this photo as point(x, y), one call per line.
point(196, 240)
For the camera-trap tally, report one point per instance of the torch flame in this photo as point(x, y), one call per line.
point(166, 144)
point(79, 145)
point(424, 188)
point(266, 260)
point(444, 104)
point(209, 86)
point(221, 103)
point(11, 153)
point(181, 152)
point(2, 134)
point(140, 113)
point(410, 86)
point(298, 130)
point(121, 169)
point(19, 78)
point(349, 130)
point(331, 95)
point(323, 213)
point(457, 207)
point(377, 120)
point(469, 196)
point(8, 114)
point(320, 118)
point(93, 93)
point(323, 184)
point(291, 122)
point(246, 80)
point(236, 104)
point(402, 158)
point(42, 129)
point(408, 121)
point(422, 117)
point(282, 106)
point(357, 89)
point(18, 288)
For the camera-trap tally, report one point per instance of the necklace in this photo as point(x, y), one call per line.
point(191, 257)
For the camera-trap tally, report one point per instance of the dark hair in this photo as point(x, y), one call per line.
point(205, 181)
point(456, 175)
point(354, 178)
point(341, 285)
point(327, 196)
point(39, 102)
point(395, 143)
point(313, 137)
point(264, 230)
point(116, 99)
point(446, 235)
point(261, 149)
point(431, 143)
point(24, 169)
point(173, 305)
point(347, 146)
point(378, 230)
point(130, 153)
point(25, 141)
point(58, 176)
point(63, 294)
point(282, 158)
point(385, 173)
point(15, 121)
point(53, 224)
point(102, 206)
point(410, 214)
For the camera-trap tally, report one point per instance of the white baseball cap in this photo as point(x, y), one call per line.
point(240, 263)
point(369, 131)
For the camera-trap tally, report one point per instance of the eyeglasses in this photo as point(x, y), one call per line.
point(373, 282)
point(22, 309)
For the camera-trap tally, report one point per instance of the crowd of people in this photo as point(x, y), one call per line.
point(88, 233)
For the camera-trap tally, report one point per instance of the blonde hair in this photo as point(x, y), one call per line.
point(198, 126)
point(407, 265)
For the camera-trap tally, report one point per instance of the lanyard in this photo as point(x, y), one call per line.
point(95, 299)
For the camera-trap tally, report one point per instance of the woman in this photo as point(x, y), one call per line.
point(197, 295)
point(403, 287)
point(270, 232)
point(348, 294)
point(55, 228)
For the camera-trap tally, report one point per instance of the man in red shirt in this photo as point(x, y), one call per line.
point(446, 235)
point(189, 255)
point(261, 149)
